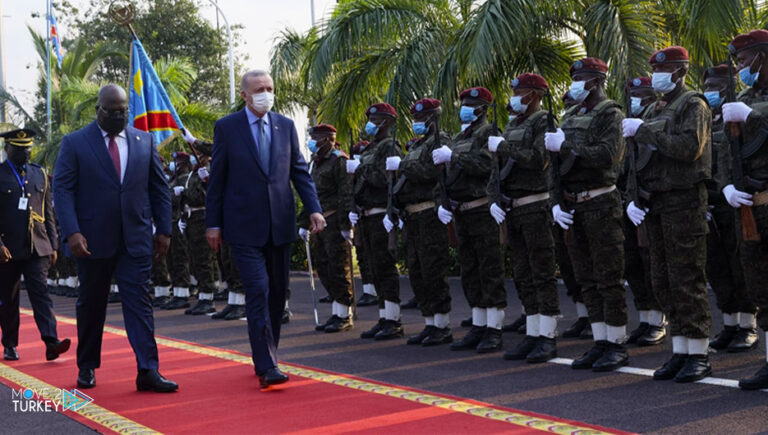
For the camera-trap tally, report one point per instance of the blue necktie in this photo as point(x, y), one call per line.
point(263, 145)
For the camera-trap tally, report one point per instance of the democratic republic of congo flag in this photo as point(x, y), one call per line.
point(150, 109)
point(55, 38)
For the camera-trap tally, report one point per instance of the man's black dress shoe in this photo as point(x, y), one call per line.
point(757, 382)
point(152, 380)
point(745, 339)
point(86, 378)
point(696, 368)
point(10, 354)
point(53, 350)
point(272, 376)
point(670, 369)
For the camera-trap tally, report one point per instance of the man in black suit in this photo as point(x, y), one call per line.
point(28, 243)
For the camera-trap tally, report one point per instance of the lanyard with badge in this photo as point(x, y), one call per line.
point(23, 201)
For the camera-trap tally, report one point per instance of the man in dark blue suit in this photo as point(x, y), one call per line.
point(109, 189)
point(250, 204)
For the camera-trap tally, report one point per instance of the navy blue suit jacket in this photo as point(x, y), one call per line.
point(247, 204)
point(90, 199)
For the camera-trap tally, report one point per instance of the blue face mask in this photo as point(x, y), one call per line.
point(517, 105)
point(577, 91)
point(172, 166)
point(419, 128)
point(371, 129)
point(747, 77)
point(713, 98)
point(636, 105)
point(662, 82)
point(467, 114)
point(192, 160)
point(312, 145)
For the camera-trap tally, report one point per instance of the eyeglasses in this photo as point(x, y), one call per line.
point(113, 113)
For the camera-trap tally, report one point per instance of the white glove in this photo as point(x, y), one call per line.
point(636, 214)
point(352, 165)
point(630, 125)
point(736, 198)
point(353, 217)
point(177, 190)
point(709, 217)
point(393, 163)
point(493, 143)
point(442, 155)
point(498, 213)
point(347, 235)
point(182, 226)
point(444, 215)
point(188, 136)
point(565, 220)
point(304, 234)
point(388, 225)
point(553, 141)
point(203, 173)
point(735, 112)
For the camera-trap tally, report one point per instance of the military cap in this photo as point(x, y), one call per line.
point(673, 54)
point(22, 137)
point(323, 128)
point(717, 71)
point(425, 105)
point(181, 155)
point(529, 80)
point(381, 109)
point(589, 64)
point(478, 92)
point(640, 82)
point(755, 38)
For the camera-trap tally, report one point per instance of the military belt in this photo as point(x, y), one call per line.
point(421, 206)
point(374, 211)
point(586, 195)
point(464, 206)
point(760, 198)
point(327, 214)
point(530, 199)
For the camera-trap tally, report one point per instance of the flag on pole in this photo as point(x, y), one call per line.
point(150, 109)
point(55, 37)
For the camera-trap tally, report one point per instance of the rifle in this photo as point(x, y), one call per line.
point(748, 224)
point(391, 211)
point(632, 186)
point(555, 159)
point(497, 187)
point(444, 198)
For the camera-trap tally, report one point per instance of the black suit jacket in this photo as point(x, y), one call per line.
point(15, 231)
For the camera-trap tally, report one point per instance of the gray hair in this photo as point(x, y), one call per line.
point(253, 73)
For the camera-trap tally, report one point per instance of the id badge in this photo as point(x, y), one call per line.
point(23, 203)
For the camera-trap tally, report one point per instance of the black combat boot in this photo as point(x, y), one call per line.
point(521, 351)
point(615, 356)
point(491, 342)
point(545, 350)
point(589, 358)
point(470, 340)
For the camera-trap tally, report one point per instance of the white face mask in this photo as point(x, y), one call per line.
point(662, 82)
point(263, 101)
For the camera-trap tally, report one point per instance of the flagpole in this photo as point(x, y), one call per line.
point(48, 68)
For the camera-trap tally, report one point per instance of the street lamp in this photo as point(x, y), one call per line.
point(231, 61)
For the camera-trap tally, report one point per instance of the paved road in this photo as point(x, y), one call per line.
point(624, 401)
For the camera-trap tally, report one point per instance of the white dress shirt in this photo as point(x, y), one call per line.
point(122, 149)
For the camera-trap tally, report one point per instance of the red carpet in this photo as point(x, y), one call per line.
point(219, 393)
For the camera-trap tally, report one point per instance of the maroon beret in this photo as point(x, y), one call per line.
point(359, 147)
point(755, 38)
point(640, 82)
point(323, 128)
point(673, 54)
point(478, 92)
point(381, 109)
point(529, 80)
point(181, 155)
point(718, 71)
point(589, 64)
point(425, 105)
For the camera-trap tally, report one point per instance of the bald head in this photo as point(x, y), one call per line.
point(110, 93)
point(112, 109)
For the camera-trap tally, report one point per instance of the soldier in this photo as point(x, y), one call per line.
point(590, 147)
point(28, 243)
point(677, 130)
point(519, 187)
point(426, 241)
point(179, 252)
point(652, 327)
point(235, 308)
point(751, 114)
point(469, 166)
point(369, 296)
point(331, 248)
point(161, 281)
point(370, 200)
point(724, 270)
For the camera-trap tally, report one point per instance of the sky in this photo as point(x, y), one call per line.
point(262, 20)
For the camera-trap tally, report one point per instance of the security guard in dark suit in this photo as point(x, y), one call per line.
point(28, 243)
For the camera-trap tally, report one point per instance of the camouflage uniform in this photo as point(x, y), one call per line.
point(425, 237)
point(594, 142)
point(203, 258)
point(330, 251)
point(529, 227)
point(679, 127)
point(370, 196)
point(229, 272)
point(179, 255)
